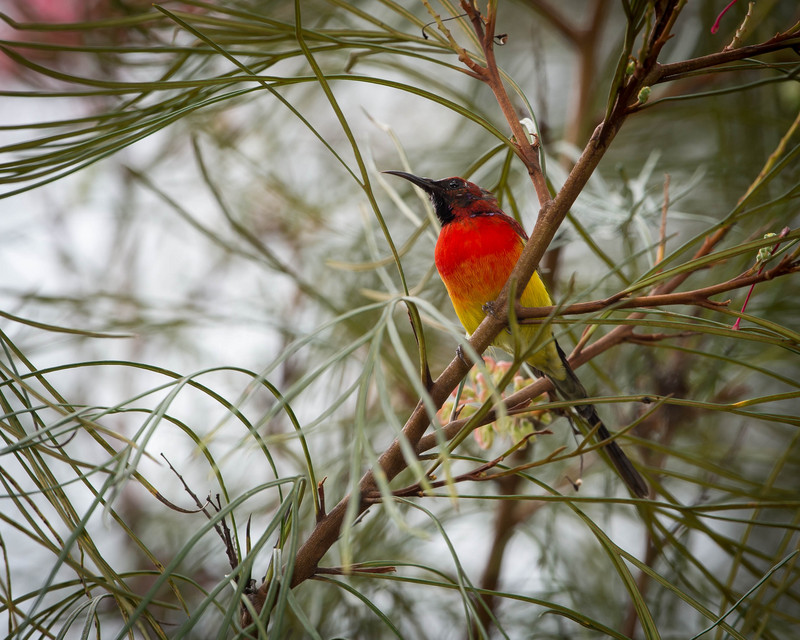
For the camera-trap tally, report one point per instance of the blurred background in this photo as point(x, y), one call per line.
point(197, 269)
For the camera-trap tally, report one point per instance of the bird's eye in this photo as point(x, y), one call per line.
point(454, 184)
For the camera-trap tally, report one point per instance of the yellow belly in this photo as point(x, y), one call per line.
point(475, 256)
point(470, 312)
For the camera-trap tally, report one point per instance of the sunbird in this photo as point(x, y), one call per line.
point(477, 249)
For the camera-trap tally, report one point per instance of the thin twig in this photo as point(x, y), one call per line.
point(474, 475)
point(221, 528)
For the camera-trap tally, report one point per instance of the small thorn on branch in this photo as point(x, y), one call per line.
point(321, 493)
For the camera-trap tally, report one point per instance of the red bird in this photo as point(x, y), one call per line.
point(477, 250)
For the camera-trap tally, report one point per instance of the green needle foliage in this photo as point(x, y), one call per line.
point(217, 315)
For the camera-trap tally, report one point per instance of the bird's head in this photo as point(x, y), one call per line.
point(453, 198)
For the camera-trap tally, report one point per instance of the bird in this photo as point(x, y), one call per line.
point(476, 251)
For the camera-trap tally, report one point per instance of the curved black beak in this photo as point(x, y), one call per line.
point(426, 184)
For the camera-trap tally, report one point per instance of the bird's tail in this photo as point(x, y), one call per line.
point(570, 388)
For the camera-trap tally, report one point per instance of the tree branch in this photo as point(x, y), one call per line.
point(551, 216)
point(675, 70)
point(517, 403)
point(698, 297)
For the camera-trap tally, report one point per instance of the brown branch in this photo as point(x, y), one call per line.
point(416, 489)
point(675, 70)
point(551, 216)
point(391, 463)
point(528, 152)
point(623, 333)
point(517, 402)
point(698, 297)
point(553, 212)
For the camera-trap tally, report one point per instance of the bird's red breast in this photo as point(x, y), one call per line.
point(476, 252)
point(474, 256)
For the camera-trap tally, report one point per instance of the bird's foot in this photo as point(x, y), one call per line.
point(462, 356)
point(488, 308)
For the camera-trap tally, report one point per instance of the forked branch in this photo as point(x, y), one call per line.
point(551, 216)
